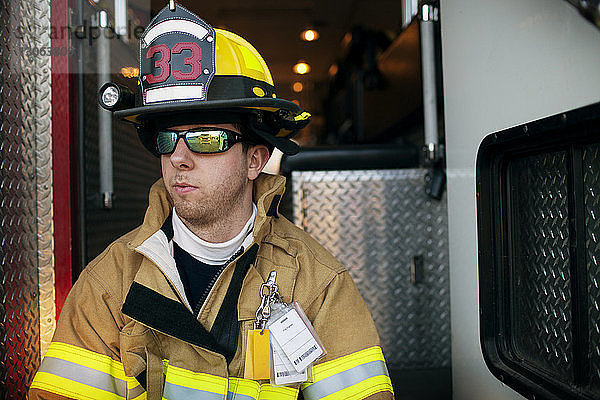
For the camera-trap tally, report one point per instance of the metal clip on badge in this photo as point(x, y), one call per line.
point(269, 293)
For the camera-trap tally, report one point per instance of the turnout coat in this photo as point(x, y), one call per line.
point(127, 330)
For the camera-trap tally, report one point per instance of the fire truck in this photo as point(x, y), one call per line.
point(452, 164)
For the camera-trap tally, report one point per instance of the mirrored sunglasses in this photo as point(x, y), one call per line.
point(200, 140)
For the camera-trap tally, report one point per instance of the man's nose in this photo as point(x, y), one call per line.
point(182, 156)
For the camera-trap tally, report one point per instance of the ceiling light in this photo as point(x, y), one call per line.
point(333, 69)
point(347, 39)
point(309, 35)
point(301, 68)
point(297, 87)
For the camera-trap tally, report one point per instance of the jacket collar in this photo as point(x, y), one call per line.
point(155, 244)
point(268, 190)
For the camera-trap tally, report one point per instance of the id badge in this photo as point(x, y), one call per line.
point(297, 338)
point(282, 371)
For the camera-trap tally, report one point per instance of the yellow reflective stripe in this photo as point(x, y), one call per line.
point(363, 389)
point(355, 376)
point(268, 392)
point(247, 389)
point(69, 388)
point(184, 384)
point(79, 373)
point(196, 380)
point(328, 368)
point(87, 358)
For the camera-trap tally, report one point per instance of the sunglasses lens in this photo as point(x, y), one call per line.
point(208, 141)
point(205, 141)
point(166, 142)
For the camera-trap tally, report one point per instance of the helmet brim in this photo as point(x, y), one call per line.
point(161, 113)
point(142, 114)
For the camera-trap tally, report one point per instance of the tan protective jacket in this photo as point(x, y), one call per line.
point(127, 332)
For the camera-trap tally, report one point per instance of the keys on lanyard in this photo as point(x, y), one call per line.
point(269, 293)
point(294, 344)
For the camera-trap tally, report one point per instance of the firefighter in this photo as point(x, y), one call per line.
point(177, 308)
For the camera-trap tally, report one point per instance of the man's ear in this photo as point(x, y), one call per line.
point(258, 155)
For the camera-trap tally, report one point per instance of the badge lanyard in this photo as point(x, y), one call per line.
point(294, 344)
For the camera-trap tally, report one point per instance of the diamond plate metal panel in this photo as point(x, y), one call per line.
point(26, 269)
point(591, 179)
point(374, 222)
point(541, 311)
point(42, 121)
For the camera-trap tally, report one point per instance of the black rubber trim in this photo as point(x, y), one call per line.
point(570, 132)
point(158, 111)
point(167, 227)
point(226, 327)
point(274, 205)
point(224, 87)
point(354, 157)
point(141, 378)
point(167, 316)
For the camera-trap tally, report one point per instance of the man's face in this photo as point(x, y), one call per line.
point(205, 188)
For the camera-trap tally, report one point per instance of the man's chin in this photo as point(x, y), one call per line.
point(190, 212)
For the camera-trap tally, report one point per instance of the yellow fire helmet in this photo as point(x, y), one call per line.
point(191, 72)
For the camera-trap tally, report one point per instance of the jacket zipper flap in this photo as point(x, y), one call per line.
point(226, 326)
point(167, 316)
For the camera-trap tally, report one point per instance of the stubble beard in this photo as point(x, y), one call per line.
point(214, 208)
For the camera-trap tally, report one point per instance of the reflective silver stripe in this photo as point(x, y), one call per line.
point(135, 392)
point(345, 379)
point(237, 396)
point(176, 392)
point(85, 375)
